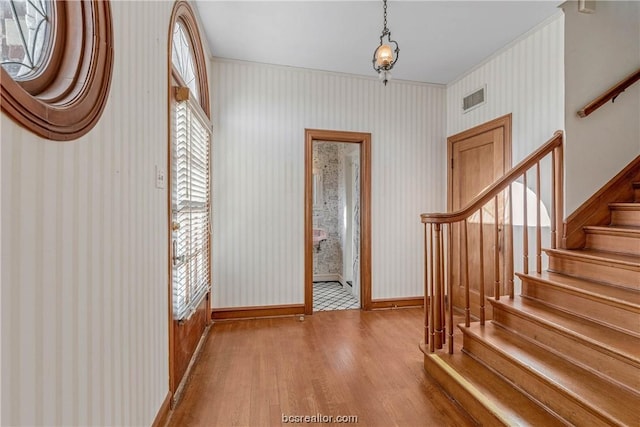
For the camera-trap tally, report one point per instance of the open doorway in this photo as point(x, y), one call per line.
point(337, 221)
point(336, 226)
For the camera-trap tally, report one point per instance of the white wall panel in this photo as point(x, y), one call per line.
point(84, 250)
point(260, 114)
point(526, 79)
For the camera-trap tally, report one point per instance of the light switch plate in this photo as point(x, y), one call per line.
point(161, 177)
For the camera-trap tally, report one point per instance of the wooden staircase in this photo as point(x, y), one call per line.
point(567, 350)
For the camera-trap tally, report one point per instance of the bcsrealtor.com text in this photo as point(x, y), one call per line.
point(319, 419)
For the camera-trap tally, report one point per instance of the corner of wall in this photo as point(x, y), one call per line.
point(600, 49)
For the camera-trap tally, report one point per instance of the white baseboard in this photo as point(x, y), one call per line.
point(326, 278)
point(330, 278)
point(342, 281)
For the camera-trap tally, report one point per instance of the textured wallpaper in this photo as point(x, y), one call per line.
point(328, 162)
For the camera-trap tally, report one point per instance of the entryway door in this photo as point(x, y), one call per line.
point(189, 202)
point(477, 158)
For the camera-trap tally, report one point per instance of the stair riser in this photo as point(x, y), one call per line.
point(599, 311)
point(562, 404)
point(625, 217)
point(620, 244)
point(636, 193)
point(470, 404)
point(585, 269)
point(597, 360)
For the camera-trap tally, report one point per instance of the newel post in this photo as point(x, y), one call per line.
point(558, 191)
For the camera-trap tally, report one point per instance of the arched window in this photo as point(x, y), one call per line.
point(190, 160)
point(188, 67)
point(56, 59)
point(183, 59)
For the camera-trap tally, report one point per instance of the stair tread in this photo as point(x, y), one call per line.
point(622, 259)
point(625, 296)
point(625, 205)
point(573, 380)
point(631, 230)
point(610, 340)
point(513, 406)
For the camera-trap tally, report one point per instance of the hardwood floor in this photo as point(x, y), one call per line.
point(367, 364)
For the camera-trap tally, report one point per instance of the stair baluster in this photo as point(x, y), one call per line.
point(496, 249)
point(467, 305)
point(509, 262)
point(481, 292)
point(525, 228)
point(538, 218)
point(450, 286)
point(439, 244)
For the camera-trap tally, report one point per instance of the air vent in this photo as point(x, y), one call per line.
point(473, 100)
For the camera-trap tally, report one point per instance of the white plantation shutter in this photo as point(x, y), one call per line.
point(190, 208)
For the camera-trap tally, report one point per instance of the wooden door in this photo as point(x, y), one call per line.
point(477, 158)
point(189, 201)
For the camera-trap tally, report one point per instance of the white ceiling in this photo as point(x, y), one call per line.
point(439, 40)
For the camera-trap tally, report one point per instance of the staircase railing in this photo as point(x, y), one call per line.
point(488, 220)
point(611, 94)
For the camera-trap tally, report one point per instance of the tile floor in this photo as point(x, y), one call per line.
point(329, 296)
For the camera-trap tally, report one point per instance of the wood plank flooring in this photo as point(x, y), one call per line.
point(364, 364)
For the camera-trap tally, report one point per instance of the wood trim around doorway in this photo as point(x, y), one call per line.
point(364, 139)
point(504, 122)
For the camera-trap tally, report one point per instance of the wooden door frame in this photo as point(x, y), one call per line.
point(504, 122)
point(364, 139)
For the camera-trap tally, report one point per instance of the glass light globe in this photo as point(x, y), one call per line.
point(384, 55)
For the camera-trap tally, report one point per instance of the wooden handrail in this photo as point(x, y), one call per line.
point(611, 94)
point(492, 191)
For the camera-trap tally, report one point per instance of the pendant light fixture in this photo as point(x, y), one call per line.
point(386, 54)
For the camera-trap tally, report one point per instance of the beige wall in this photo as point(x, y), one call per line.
point(84, 250)
point(261, 112)
point(600, 50)
point(526, 79)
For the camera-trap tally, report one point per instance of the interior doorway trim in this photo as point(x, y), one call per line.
point(364, 139)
